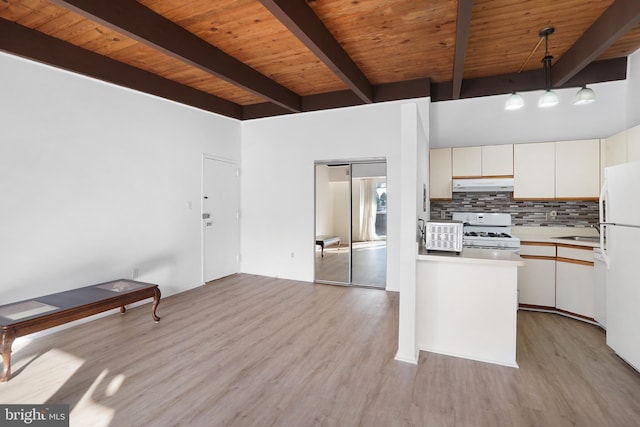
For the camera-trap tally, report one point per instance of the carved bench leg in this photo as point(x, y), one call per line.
point(5, 347)
point(156, 301)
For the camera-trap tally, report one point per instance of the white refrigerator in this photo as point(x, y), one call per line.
point(620, 244)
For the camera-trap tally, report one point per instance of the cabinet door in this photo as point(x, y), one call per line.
point(575, 288)
point(633, 144)
point(616, 149)
point(534, 171)
point(537, 282)
point(578, 169)
point(440, 173)
point(497, 160)
point(467, 162)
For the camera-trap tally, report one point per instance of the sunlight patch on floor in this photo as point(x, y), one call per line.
point(88, 412)
point(50, 371)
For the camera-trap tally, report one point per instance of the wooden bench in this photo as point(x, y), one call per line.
point(323, 241)
point(36, 314)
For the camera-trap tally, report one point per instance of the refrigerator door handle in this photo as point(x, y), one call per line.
point(602, 204)
point(604, 193)
point(603, 243)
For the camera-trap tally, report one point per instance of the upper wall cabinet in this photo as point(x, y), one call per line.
point(615, 151)
point(440, 174)
point(633, 144)
point(488, 160)
point(578, 169)
point(497, 160)
point(534, 171)
point(620, 148)
point(467, 162)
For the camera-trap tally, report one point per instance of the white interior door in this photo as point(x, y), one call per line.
point(220, 219)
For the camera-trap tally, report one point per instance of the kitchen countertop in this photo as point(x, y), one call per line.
point(550, 234)
point(474, 256)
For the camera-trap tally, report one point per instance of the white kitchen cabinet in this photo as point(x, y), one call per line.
point(497, 160)
point(575, 288)
point(467, 162)
point(615, 151)
point(534, 171)
point(537, 278)
point(440, 174)
point(575, 280)
point(483, 161)
point(633, 144)
point(577, 169)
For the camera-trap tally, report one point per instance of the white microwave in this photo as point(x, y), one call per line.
point(443, 236)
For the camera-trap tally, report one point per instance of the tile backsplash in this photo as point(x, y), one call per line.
point(574, 213)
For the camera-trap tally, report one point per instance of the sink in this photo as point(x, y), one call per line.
point(594, 239)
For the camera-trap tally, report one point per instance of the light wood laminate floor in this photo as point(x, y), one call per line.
point(255, 351)
point(369, 264)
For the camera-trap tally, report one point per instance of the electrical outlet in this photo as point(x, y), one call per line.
point(135, 273)
point(293, 254)
point(443, 214)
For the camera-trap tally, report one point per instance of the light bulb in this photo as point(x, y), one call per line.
point(514, 102)
point(584, 96)
point(548, 99)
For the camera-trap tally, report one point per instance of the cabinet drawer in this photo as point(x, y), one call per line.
point(538, 249)
point(576, 253)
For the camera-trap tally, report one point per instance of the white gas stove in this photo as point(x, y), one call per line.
point(487, 230)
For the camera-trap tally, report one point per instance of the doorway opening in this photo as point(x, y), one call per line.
point(351, 223)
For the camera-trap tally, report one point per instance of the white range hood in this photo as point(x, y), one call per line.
point(483, 184)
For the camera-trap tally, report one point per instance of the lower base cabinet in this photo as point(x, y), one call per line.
point(575, 288)
point(558, 276)
point(537, 282)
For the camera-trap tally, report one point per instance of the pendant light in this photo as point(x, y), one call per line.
point(549, 97)
point(584, 96)
point(514, 102)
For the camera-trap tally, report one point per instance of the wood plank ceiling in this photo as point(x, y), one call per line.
point(255, 58)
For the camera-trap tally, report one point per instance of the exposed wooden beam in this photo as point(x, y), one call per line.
point(302, 21)
point(408, 89)
point(616, 21)
point(144, 25)
point(31, 44)
point(463, 23)
point(596, 72)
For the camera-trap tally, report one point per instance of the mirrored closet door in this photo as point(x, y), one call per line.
point(351, 223)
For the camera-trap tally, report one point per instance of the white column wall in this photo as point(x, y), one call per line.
point(97, 180)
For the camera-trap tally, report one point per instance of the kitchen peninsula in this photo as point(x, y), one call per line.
point(466, 305)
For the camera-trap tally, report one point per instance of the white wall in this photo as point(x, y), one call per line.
point(96, 180)
point(277, 182)
point(484, 121)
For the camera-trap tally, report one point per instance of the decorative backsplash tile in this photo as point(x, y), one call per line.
point(574, 213)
